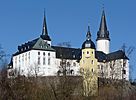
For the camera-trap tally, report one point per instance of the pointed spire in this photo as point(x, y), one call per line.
point(44, 30)
point(88, 35)
point(103, 33)
point(45, 35)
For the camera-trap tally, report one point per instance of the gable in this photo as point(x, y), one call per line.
point(42, 45)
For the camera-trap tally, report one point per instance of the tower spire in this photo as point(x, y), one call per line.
point(103, 33)
point(45, 35)
point(103, 40)
point(88, 35)
point(44, 30)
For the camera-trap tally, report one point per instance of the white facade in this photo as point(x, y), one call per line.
point(103, 45)
point(35, 62)
point(115, 69)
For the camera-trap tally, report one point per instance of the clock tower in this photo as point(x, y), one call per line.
point(88, 66)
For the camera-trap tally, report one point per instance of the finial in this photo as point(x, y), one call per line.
point(88, 28)
point(88, 35)
point(44, 30)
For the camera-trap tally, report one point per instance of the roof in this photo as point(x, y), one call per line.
point(102, 57)
point(103, 33)
point(88, 43)
point(45, 35)
point(36, 44)
point(67, 53)
point(116, 55)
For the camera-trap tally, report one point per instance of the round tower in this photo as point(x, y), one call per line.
point(103, 40)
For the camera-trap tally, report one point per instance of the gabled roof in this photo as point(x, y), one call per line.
point(67, 53)
point(102, 57)
point(116, 55)
point(36, 44)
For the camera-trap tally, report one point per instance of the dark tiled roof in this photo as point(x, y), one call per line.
point(101, 56)
point(67, 53)
point(116, 55)
point(88, 44)
point(33, 45)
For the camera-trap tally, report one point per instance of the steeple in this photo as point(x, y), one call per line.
point(45, 35)
point(103, 33)
point(88, 43)
point(44, 30)
point(88, 35)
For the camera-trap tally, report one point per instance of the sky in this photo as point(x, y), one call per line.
point(67, 21)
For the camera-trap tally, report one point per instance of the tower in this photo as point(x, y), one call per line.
point(88, 66)
point(45, 35)
point(103, 40)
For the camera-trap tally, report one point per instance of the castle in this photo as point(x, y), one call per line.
point(40, 58)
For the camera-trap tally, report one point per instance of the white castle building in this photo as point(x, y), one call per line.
point(40, 58)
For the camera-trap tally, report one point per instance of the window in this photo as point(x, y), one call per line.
point(29, 55)
point(87, 52)
point(43, 53)
point(48, 54)
point(124, 71)
point(74, 64)
point(43, 60)
point(92, 62)
point(49, 61)
point(19, 58)
point(92, 52)
point(92, 70)
point(60, 63)
point(38, 53)
point(68, 64)
point(38, 60)
point(83, 52)
point(26, 56)
point(98, 66)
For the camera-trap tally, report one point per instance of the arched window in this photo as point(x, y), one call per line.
point(38, 60)
point(72, 72)
point(68, 64)
point(43, 60)
point(48, 54)
point(43, 53)
point(74, 64)
point(49, 61)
